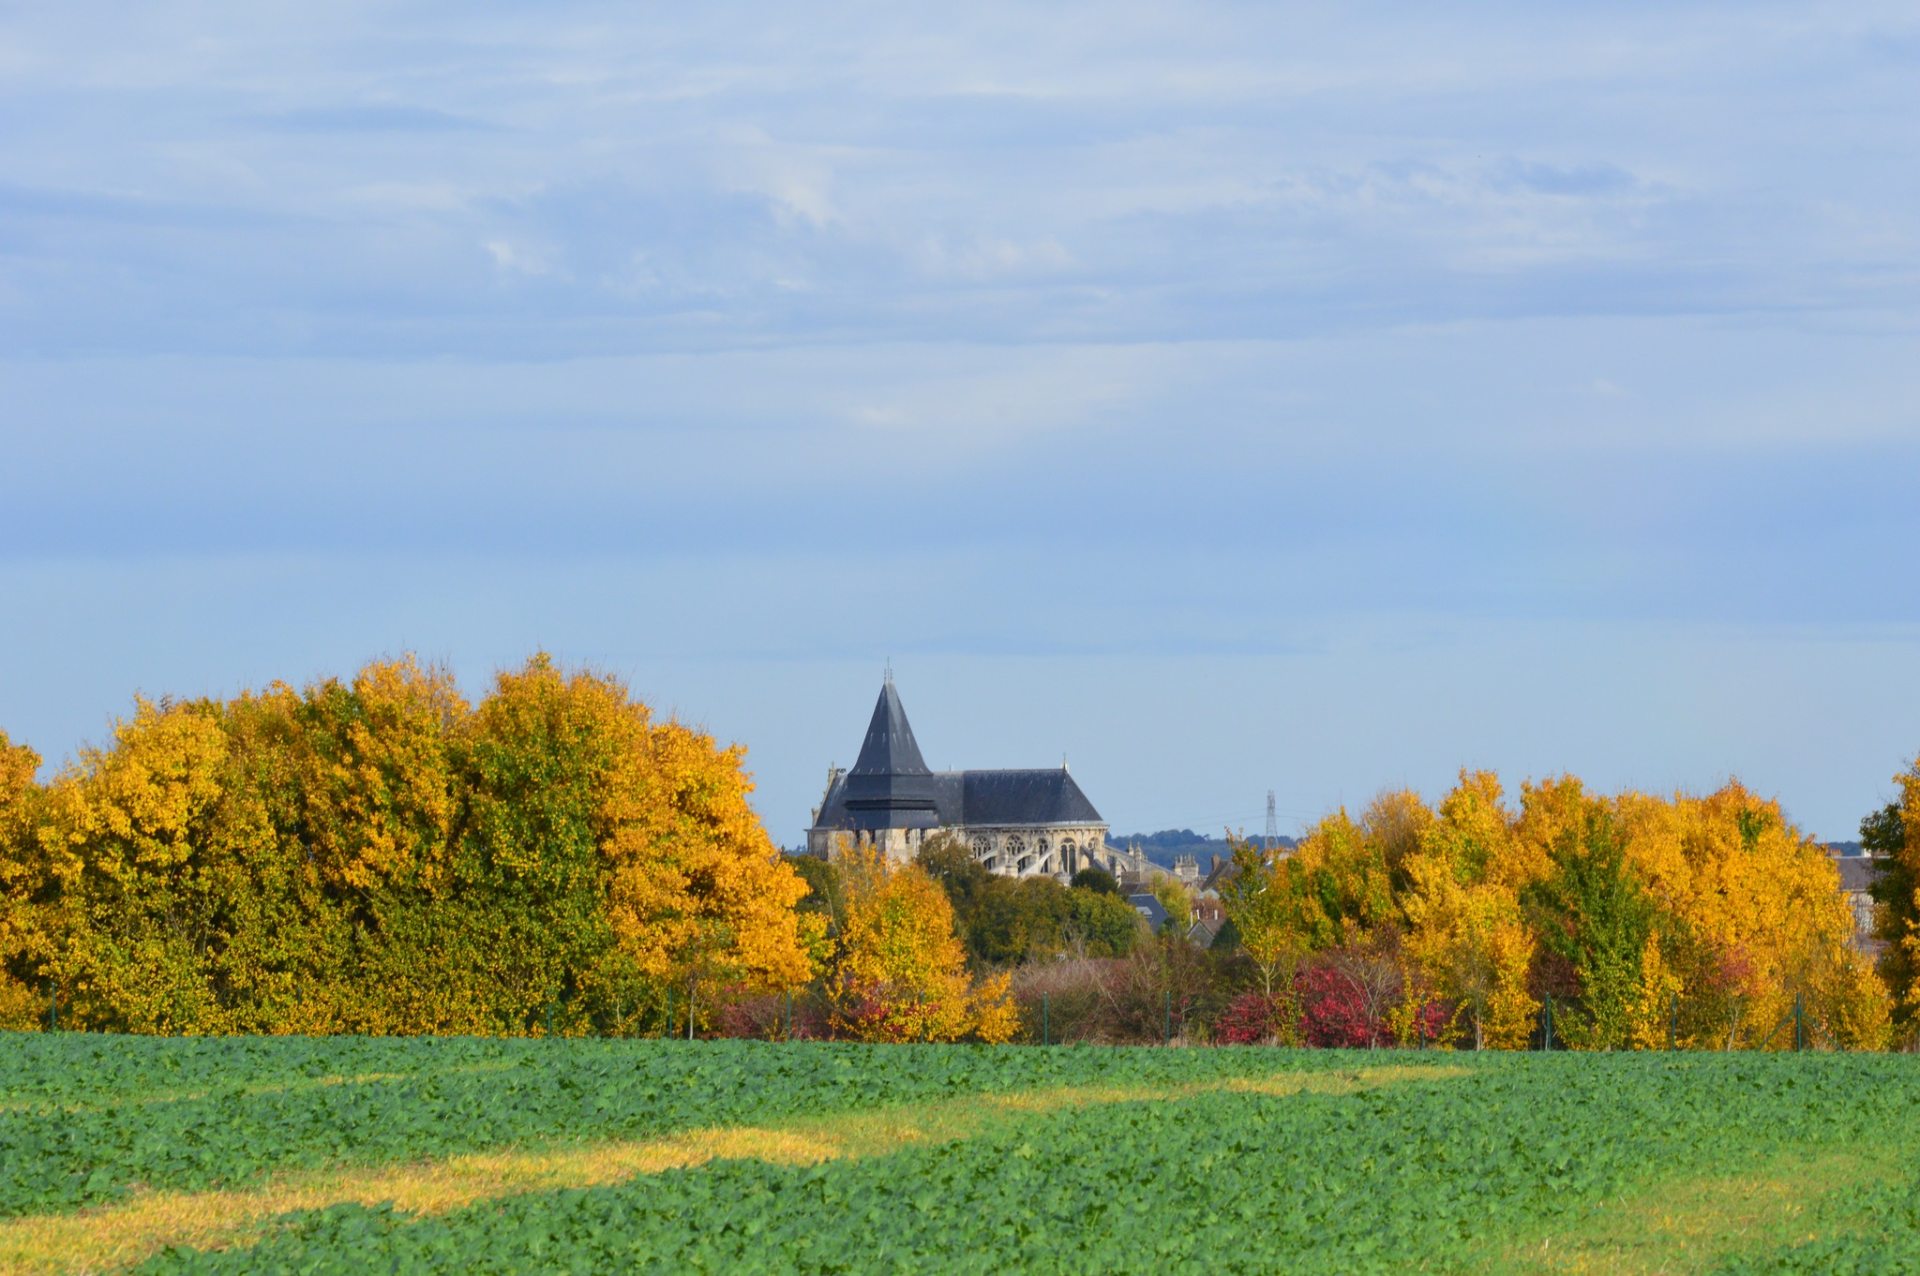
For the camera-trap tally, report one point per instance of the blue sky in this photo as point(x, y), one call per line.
point(1234, 398)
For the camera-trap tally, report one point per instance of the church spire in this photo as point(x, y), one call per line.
point(890, 748)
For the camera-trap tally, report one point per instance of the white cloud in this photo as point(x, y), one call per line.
point(517, 259)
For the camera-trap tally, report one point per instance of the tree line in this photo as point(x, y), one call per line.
point(1633, 920)
point(379, 855)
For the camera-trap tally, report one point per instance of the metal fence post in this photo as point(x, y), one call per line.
point(1799, 1030)
point(1546, 1040)
point(1169, 1016)
point(666, 1032)
point(53, 1015)
point(789, 1023)
point(1046, 1020)
point(1673, 1022)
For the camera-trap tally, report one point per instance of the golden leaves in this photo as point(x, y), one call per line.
point(21, 879)
point(1749, 909)
point(901, 971)
point(380, 855)
point(139, 802)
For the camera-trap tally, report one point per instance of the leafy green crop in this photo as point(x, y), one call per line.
point(1516, 1156)
point(84, 1116)
point(1443, 1175)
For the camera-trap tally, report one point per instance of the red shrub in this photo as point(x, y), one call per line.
point(1333, 1010)
point(1431, 1022)
point(1247, 1020)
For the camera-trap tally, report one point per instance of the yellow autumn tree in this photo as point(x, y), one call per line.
point(181, 895)
point(378, 782)
point(1465, 927)
point(900, 971)
point(127, 836)
point(1340, 875)
point(698, 888)
point(1472, 941)
point(1551, 812)
point(1760, 905)
point(1395, 824)
point(696, 895)
point(281, 955)
point(376, 855)
point(22, 887)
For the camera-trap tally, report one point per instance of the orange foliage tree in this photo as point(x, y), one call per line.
point(1762, 923)
point(1700, 920)
point(1466, 928)
point(380, 856)
point(900, 970)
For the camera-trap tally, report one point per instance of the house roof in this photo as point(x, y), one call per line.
point(1223, 872)
point(1150, 908)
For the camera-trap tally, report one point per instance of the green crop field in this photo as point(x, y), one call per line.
point(349, 1155)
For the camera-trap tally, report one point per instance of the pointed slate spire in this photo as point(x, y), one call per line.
point(890, 748)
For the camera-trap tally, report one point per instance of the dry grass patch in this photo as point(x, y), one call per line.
point(888, 1129)
point(126, 1232)
point(1696, 1224)
point(1340, 1082)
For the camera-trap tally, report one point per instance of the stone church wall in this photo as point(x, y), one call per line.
point(1013, 850)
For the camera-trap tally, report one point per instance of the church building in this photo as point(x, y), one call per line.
point(1020, 823)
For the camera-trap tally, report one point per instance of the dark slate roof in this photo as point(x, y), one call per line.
point(1023, 797)
point(890, 786)
point(965, 798)
point(890, 748)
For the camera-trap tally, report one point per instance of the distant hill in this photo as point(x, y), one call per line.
point(1168, 844)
